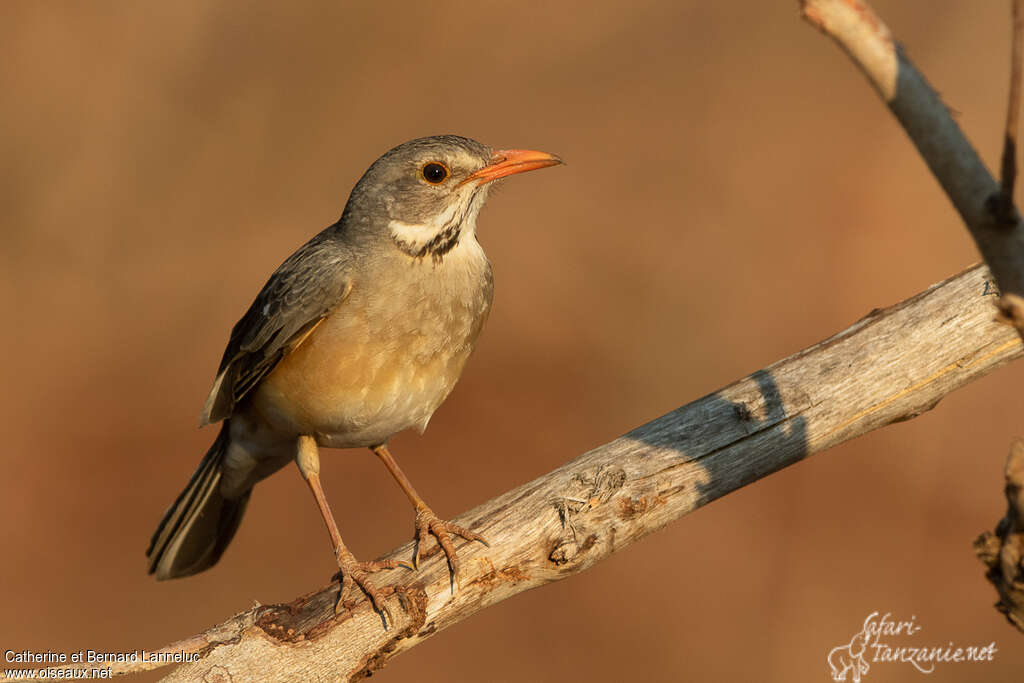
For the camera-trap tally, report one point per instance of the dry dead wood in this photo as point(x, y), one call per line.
point(893, 365)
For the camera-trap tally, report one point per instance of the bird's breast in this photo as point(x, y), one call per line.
point(386, 357)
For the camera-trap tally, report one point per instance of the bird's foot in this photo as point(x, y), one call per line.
point(355, 573)
point(429, 524)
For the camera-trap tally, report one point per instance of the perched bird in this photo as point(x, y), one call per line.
point(358, 335)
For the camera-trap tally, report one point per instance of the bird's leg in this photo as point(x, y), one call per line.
point(427, 522)
point(307, 457)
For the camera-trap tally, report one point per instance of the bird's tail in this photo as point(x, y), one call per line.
point(199, 525)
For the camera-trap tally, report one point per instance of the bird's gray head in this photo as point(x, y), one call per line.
point(425, 194)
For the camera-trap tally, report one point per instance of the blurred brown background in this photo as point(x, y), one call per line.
point(735, 192)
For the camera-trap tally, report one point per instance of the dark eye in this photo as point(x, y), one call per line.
point(435, 172)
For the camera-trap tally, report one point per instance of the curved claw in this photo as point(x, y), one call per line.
point(429, 524)
point(353, 572)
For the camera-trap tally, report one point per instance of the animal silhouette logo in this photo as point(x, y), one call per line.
point(882, 639)
point(849, 659)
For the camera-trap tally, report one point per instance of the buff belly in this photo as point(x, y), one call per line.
point(372, 369)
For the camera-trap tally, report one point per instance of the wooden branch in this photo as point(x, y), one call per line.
point(1011, 305)
point(890, 366)
point(1003, 551)
point(986, 207)
point(995, 225)
point(1008, 166)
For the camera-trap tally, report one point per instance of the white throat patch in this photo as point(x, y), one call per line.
point(444, 230)
point(413, 235)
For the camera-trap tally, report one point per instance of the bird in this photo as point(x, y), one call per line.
point(358, 335)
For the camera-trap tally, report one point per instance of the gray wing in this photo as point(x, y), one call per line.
point(300, 293)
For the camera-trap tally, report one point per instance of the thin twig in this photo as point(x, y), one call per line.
point(951, 158)
point(1004, 206)
point(986, 207)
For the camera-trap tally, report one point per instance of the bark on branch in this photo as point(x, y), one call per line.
point(1003, 551)
point(890, 366)
point(986, 206)
point(991, 218)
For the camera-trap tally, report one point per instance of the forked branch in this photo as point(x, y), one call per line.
point(892, 365)
point(986, 206)
point(989, 215)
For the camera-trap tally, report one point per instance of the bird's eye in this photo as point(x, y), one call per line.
point(435, 172)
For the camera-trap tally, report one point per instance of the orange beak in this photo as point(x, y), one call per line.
point(508, 161)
